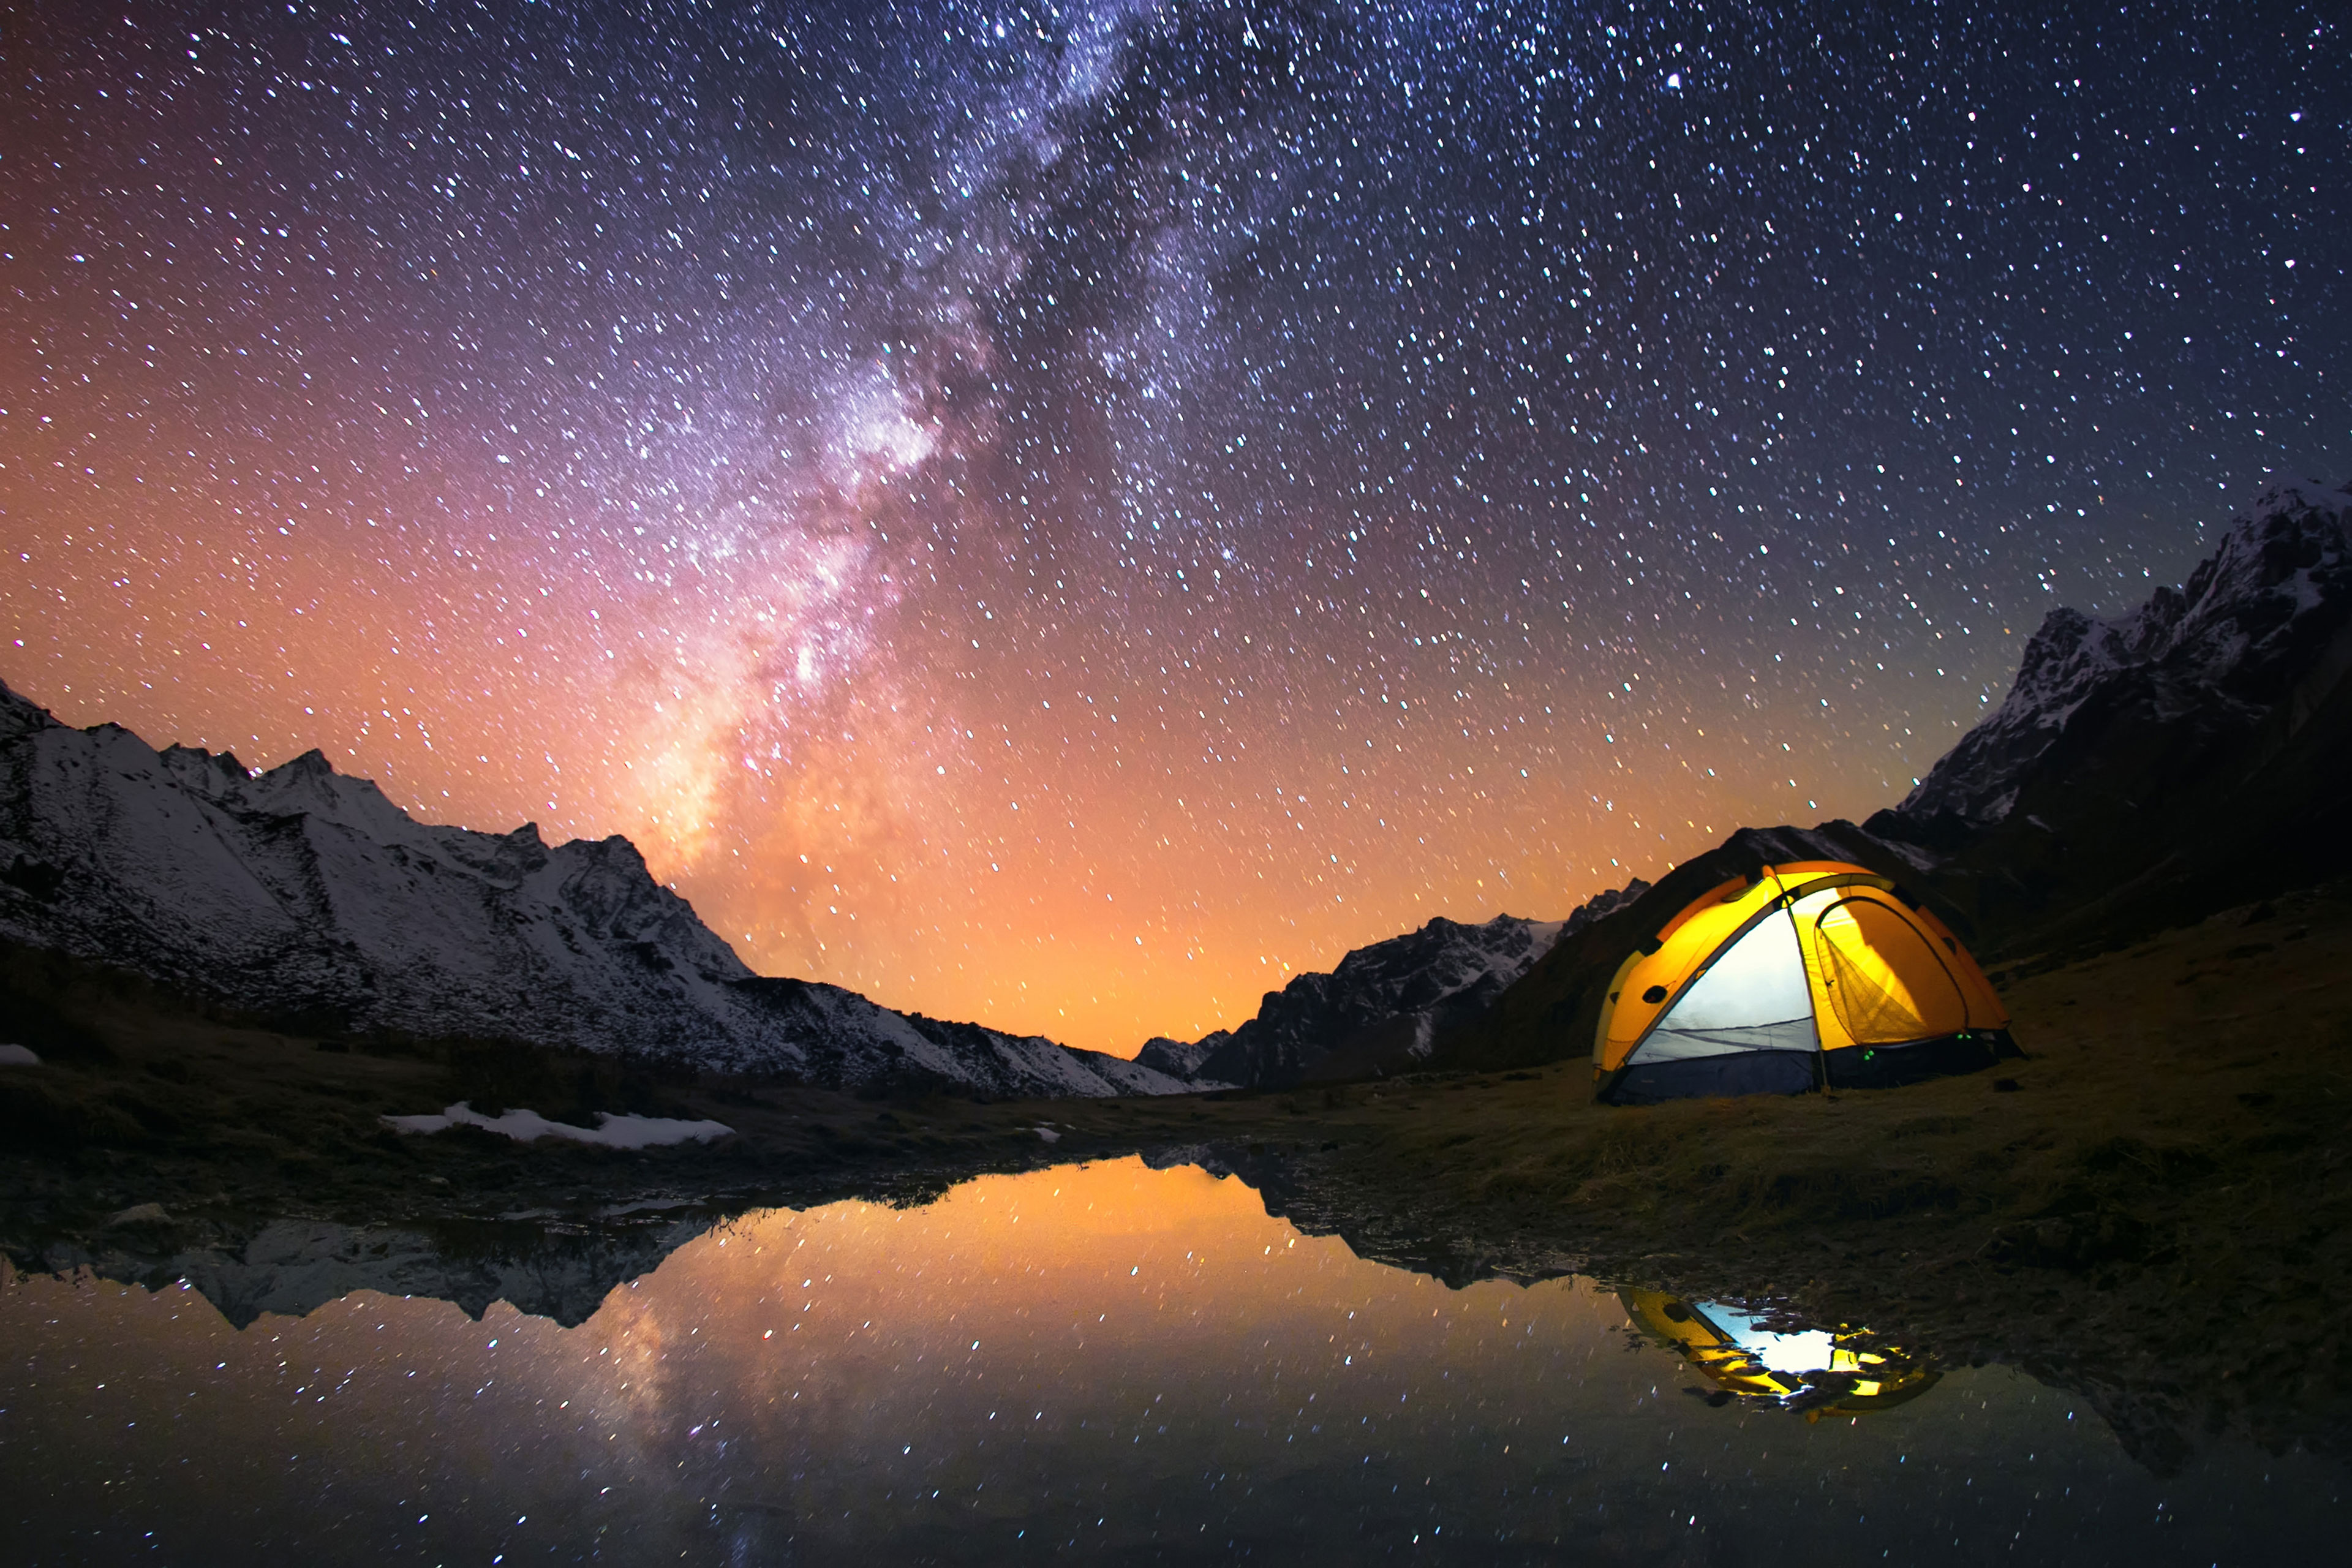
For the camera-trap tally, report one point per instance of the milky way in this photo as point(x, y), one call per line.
point(1067, 516)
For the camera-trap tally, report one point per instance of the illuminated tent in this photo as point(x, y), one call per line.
point(1814, 974)
point(1816, 1370)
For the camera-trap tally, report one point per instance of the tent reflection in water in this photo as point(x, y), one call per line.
point(1815, 975)
point(1817, 1371)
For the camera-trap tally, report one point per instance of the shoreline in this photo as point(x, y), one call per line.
point(2158, 1215)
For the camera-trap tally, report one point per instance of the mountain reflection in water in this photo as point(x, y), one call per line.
point(1102, 1361)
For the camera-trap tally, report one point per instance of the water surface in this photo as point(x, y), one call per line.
point(1095, 1362)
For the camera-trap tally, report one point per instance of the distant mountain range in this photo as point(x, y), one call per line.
point(2150, 770)
point(307, 897)
point(1381, 1009)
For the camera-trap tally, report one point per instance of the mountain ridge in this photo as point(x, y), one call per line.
point(1380, 1007)
point(304, 894)
point(2150, 768)
point(2083, 808)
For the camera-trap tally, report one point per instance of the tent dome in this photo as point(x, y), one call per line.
point(1810, 974)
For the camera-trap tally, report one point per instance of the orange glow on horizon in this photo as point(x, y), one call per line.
point(977, 794)
point(988, 844)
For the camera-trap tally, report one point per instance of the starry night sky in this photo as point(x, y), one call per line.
point(1068, 515)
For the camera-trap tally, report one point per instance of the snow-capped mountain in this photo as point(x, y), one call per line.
point(1382, 1007)
point(2215, 654)
point(306, 896)
point(2163, 765)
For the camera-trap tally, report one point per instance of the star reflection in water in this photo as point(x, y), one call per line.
point(1102, 1361)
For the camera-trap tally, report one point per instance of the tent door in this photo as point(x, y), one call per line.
point(1752, 997)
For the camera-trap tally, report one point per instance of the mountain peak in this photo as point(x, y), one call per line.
point(2250, 615)
point(1388, 1000)
point(2153, 768)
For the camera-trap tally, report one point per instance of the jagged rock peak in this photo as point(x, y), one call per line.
point(2250, 613)
point(1391, 999)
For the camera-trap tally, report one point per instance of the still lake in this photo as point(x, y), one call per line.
point(1099, 1363)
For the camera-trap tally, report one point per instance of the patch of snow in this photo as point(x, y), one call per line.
point(644, 1205)
point(611, 1132)
point(1047, 1134)
point(18, 1056)
point(1424, 1036)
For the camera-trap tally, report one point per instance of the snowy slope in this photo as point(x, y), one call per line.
point(306, 895)
point(2216, 653)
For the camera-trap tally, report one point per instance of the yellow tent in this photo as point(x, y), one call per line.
point(1819, 1371)
point(1814, 974)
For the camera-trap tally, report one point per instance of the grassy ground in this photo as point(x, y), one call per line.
point(2156, 1207)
